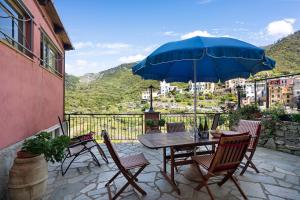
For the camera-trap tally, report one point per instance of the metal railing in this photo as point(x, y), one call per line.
point(130, 126)
point(120, 126)
point(188, 119)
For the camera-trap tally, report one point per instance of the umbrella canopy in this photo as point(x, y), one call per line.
point(203, 59)
point(215, 59)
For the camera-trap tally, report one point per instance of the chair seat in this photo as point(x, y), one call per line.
point(131, 162)
point(203, 160)
point(78, 148)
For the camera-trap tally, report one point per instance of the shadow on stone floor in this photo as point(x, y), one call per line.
point(278, 179)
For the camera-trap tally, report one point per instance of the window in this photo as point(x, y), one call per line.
point(16, 26)
point(50, 56)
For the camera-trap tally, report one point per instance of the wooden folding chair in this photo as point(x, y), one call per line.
point(80, 145)
point(175, 127)
point(125, 164)
point(229, 154)
point(253, 127)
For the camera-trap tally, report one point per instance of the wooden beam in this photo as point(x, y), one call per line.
point(68, 47)
point(43, 2)
point(58, 29)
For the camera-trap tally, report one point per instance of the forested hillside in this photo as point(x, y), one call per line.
point(113, 90)
point(118, 90)
point(286, 52)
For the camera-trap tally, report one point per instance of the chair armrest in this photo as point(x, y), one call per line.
point(84, 137)
point(80, 142)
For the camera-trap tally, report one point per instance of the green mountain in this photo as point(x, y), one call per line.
point(114, 90)
point(286, 52)
point(118, 90)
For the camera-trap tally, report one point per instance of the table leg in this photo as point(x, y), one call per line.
point(172, 165)
point(170, 178)
point(164, 160)
point(213, 148)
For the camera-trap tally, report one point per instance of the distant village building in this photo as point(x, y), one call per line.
point(250, 91)
point(281, 91)
point(296, 87)
point(203, 87)
point(233, 83)
point(146, 95)
point(165, 88)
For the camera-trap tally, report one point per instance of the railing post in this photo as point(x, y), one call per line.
point(143, 129)
point(255, 93)
point(69, 125)
point(267, 95)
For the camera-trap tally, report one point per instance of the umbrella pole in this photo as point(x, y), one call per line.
point(195, 93)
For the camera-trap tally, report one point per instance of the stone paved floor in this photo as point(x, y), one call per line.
point(279, 179)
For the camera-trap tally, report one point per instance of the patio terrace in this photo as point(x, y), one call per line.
point(279, 178)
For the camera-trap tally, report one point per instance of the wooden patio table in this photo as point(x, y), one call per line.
point(179, 139)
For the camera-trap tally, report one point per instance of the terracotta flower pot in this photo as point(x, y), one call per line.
point(28, 177)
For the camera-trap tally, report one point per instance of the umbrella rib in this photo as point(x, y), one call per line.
point(238, 57)
point(165, 62)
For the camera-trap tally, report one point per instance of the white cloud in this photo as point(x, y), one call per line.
point(150, 48)
point(80, 45)
point(81, 63)
point(97, 52)
point(113, 45)
point(239, 22)
point(204, 1)
point(170, 33)
point(196, 33)
point(281, 28)
point(134, 58)
point(80, 67)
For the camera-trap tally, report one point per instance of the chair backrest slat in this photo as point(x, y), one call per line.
point(175, 127)
point(215, 123)
point(64, 126)
point(230, 152)
point(111, 149)
point(253, 127)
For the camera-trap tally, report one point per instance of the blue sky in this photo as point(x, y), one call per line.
point(106, 33)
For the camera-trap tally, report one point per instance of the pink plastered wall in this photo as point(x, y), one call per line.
point(31, 97)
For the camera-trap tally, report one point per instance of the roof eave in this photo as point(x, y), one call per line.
point(57, 24)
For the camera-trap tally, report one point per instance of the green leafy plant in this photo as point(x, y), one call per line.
point(248, 112)
point(275, 112)
point(51, 148)
point(161, 122)
point(295, 117)
point(152, 123)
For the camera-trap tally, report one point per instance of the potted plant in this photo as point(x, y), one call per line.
point(29, 173)
point(153, 125)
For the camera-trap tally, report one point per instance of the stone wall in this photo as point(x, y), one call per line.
point(281, 135)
